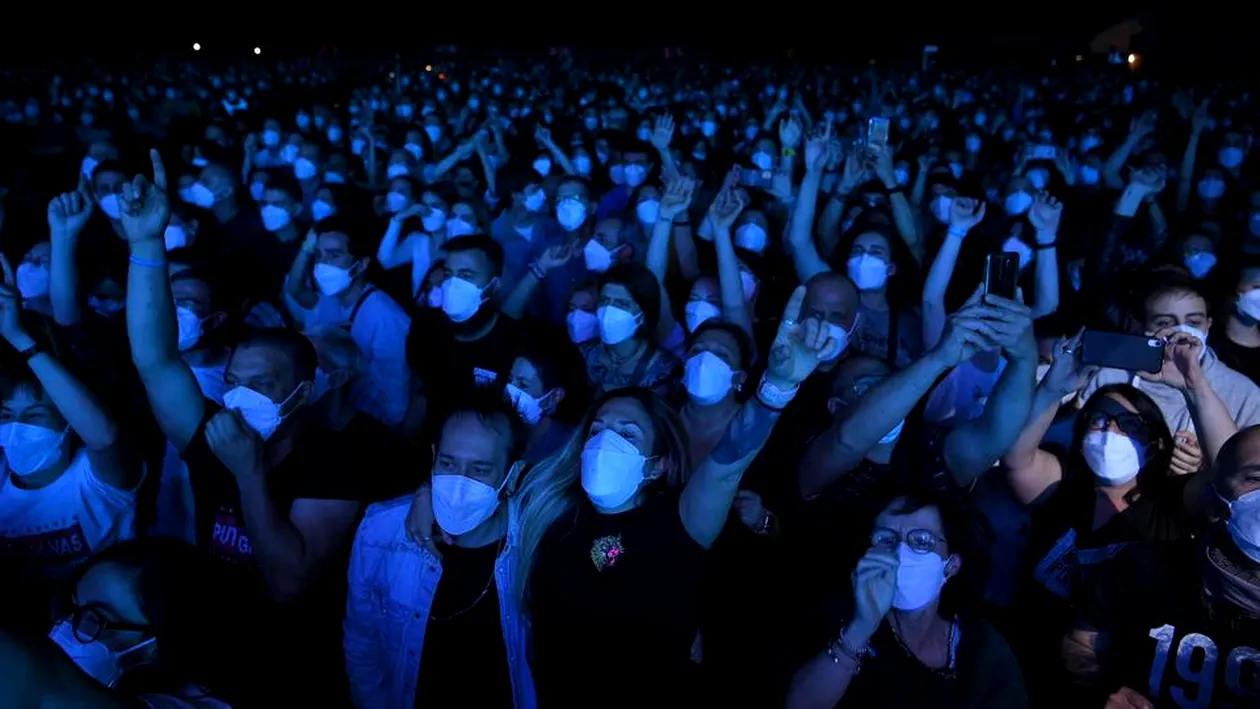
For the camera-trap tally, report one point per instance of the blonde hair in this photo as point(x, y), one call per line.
point(552, 488)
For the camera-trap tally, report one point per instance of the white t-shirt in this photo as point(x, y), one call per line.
point(176, 514)
point(960, 397)
point(60, 525)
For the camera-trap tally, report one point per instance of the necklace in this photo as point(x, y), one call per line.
point(948, 671)
point(484, 591)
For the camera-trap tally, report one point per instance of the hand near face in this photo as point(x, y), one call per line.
point(235, 444)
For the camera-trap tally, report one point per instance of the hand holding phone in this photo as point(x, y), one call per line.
point(877, 131)
point(1137, 353)
point(1001, 274)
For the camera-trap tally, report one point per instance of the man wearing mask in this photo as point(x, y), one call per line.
point(469, 344)
point(456, 608)
point(1180, 620)
point(337, 263)
point(274, 505)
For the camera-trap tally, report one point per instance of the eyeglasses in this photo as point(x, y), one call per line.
point(920, 541)
point(1131, 424)
point(88, 623)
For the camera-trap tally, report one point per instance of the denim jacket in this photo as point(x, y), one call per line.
point(392, 585)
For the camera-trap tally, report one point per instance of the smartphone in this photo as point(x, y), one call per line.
point(877, 131)
point(1001, 274)
point(1044, 152)
point(1122, 351)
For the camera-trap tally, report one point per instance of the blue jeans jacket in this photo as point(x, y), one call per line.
point(392, 584)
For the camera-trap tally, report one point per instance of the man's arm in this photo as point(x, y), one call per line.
point(973, 447)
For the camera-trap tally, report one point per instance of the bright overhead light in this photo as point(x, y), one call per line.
point(428, 67)
point(257, 50)
point(1132, 58)
point(196, 46)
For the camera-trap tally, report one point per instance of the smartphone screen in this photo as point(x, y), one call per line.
point(1044, 152)
point(1001, 274)
point(1119, 350)
point(877, 131)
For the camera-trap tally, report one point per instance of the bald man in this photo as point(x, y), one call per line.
point(832, 298)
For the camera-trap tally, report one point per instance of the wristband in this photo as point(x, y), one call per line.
point(1046, 241)
point(789, 152)
point(774, 398)
point(1049, 245)
point(148, 263)
point(30, 352)
point(838, 648)
point(535, 269)
point(955, 231)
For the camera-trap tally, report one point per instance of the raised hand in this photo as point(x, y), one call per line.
point(854, 171)
point(663, 131)
point(1045, 214)
point(542, 135)
point(798, 346)
point(726, 208)
point(1187, 456)
point(967, 332)
point(818, 149)
point(418, 209)
point(789, 133)
point(879, 160)
point(1182, 353)
point(1013, 326)
point(1144, 124)
point(677, 198)
point(67, 213)
point(1199, 121)
point(556, 256)
point(1067, 374)
point(1148, 180)
point(144, 206)
point(965, 213)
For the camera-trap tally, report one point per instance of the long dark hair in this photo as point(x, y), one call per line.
point(1159, 439)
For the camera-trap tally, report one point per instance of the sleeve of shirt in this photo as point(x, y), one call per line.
point(1248, 413)
point(381, 332)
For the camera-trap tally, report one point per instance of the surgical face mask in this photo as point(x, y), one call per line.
point(1249, 304)
point(762, 160)
point(271, 138)
point(591, 122)
point(175, 237)
point(1211, 188)
point(28, 448)
point(582, 164)
point(894, 434)
point(256, 190)
point(697, 311)
point(190, 328)
point(96, 659)
point(571, 214)
point(1200, 263)
point(708, 128)
point(304, 169)
point(334, 134)
point(88, 166)
point(201, 196)
point(635, 174)
point(397, 169)
point(617, 173)
point(110, 206)
point(644, 134)
point(597, 258)
point(529, 407)
point(1230, 157)
point(405, 111)
point(920, 578)
point(334, 178)
point(274, 218)
point(1115, 459)
point(750, 132)
point(461, 504)
point(980, 118)
point(331, 279)
point(1015, 245)
point(707, 378)
point(1089, 175)
point(357, 145)
point(435, 133)
point(582, 326)
point(303, 121)
point(647, 211)
point(289, 153)
point(542, 166)
point(751, 236)
point(260, 412)
point(612, 469)
point(461, 299)
point(615, 325)
point(1244, 523)
point(395, 202)
point(868, 272)
point(322, 210)
point(1089, 142)
point(32, 280)
point(902, 175)
point(841, 336)
point(535, 201)
point(1018, 202)
point(1195, 333)
point(1039, 178)
point(941, 207)
point(956, 169)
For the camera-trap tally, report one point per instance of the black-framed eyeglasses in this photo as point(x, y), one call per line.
point(88, 623)
point(1129, 423)
point(920, 541)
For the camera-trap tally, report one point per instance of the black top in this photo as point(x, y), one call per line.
point(387, 465)
point(1237, 357)
point(1167, 640)
point(464, 634)
point(615, 606)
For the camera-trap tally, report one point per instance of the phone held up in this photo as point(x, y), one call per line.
point(1001, 274)
point(1118, 350)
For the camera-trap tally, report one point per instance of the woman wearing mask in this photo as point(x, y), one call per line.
point(33, 278)
point(547, 391)
point(582, 321)
point(626, 354)
point(615, 527)
point(1236, 337)
point(68, 486)
point(716, 370)
point(134, 629)
point(906, 642)
point(425, 225)
point(887, 329)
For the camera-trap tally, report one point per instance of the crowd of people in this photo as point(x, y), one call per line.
point(570, 382)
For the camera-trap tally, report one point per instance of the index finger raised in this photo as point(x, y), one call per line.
point(159, 170)
point(8, 270)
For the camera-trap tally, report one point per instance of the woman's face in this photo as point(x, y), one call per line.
point(616, 295)
point(922, 530)
point(107, 595)
point(583, 300)
point(753, 216)
point(873, 244)
point(721, 344)
point(705, 288)
point(628, 419)
point(1116, 415)
point(26, 405)
point(524, 375)
point(1174, 308)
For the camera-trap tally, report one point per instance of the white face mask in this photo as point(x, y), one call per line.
point(1115, 459)
point(597, 258)
point(1200, 263)
point(111, 207)
point(322, 210)
point(190, 328)
point(28, 448)
point(461, 504)
point(256, 190)
point(396, 170)
point(1039, 178)
point(304, 169)
point(751, 236)
point(435, 221)
point(416, 150)
point(582, 326)
point(1017, 246)
point(697, 311)
point(274, 218)
point(535, 201)
point(542, 166)
point(1018, 202)
point(395, 202)
point(707, 378)
point(1244, 523)
point(530, 408)
point(920, 578)
point(762, 160)
point(582, 164)
point(1249, 304)
point(259, 411)
point(199, 195)
point(571, 214)
point(271, 138)
point(1195, 333)
point(461, 299)
point(175, 237)
point(331, 279)
point(647, 211)
point(941, 206)
point(612, 469)
point(457, 226)
point(635, 175)
point(32, 280)
point(1230, 157)
point(435, 133)
point(841, 336)
point(868, 272)
point(96, 659)
point(615, 325)
point(289, 153)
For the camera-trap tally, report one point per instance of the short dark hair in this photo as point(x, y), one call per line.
point(560, 366)
point(1163, 282)
point(643, 287)
point(344, 224)
point(576, 179)
point(292, 343)
point(490, 408)
point(742, 340)
point(284, 181)
point(201, 272)
point(478, 242)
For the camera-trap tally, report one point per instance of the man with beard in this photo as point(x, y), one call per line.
point(1170, 624)
point(469, 343)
